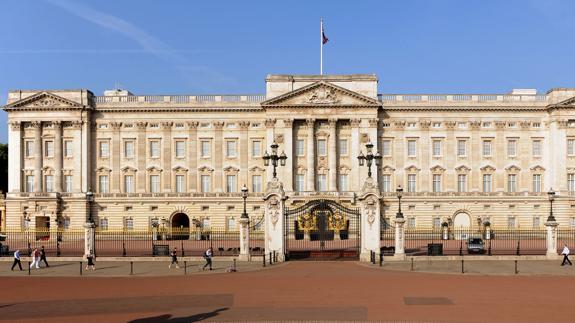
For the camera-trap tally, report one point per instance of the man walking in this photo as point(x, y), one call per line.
point(17, 260)
point(174, 255)
point(43, 256)
point(565, 254)
point(35, 259)
point(208, 257)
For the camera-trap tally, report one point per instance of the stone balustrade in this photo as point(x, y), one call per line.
point(461, 98)
point(178, 98)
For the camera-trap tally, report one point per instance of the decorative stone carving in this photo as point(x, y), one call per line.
point(310, 122)
point(57, 124)
point(45, 102)
point(193, 124)
point(364, 138)
point(525, 124)
point(499, 125)
point(355, 122)
point(370, 209)
point(369, 186)
point(275, 186)
point(244, 125)
point(424, 124)
point(115, 125)
point(167, 125)
point(141, 125)
point(219, 125)
point(372, 122)
point(274, 209)
point(450, 125)
point(399, 125)
point(475, 125)
point(270, 123)
point(16, 125)
point(332, 123)
point(288, 123)
point(279, 138)
point(323, 95)
point(76, 125)
point(36, 124)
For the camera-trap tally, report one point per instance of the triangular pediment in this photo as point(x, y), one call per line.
point(569, 103)
point(43, 100)
point(321, 94)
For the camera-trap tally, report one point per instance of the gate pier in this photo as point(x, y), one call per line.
point(274, 218)
point(370, 220)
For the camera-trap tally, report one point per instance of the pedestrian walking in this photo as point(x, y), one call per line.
point(565, 254)
point(208, 257)
point(90, 257)
point(16, 260)
point(35, 259)
point(174, 255)
point(43, 256)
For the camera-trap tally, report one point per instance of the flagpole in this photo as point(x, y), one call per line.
point(321, 47)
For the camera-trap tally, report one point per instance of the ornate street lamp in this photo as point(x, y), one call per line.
point(274, 158)
point(369, 158)
point(245, 196)
point(399, 192)
point(90, 198)
point(551, 195)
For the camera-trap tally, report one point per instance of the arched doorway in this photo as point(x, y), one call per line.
point(461, 225)
point(180, 226)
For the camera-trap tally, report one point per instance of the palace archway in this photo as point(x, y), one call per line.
point(180, 226)
point(461, 225)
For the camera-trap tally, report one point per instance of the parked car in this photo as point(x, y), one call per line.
point(475, 245)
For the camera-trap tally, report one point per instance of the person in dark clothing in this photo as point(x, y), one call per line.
point(208, 257)
point(16, 260)
point(43, 256)
point(174, 255)
point(565, 254)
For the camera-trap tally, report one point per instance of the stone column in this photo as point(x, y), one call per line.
point(274, 218)
point(333, 156)
point(355, 148)
point(444, 232)
point(244, 239)
point(370, 220)
point(310, 155)
point(140, 185)
point(89, 235)
point(167, 155)
point(15, 162)
point(450, 158)
point(58, 155)
point(499, 153)
point(193, 156)
point(270, 124)
point(115, 179)
point(288, 147)
point(399, 238)
point(474, 149)
point(85, 134)
point(77, 180)
point(37, 125)
point(551, 238)
point(218, 156)
point(244, 152)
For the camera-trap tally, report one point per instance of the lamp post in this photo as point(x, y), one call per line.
point(551, 195)
point(91, 230)
point(245, 196)
point(244, 228)
point(274, 158)
point(90, 198)
point(399, 192)
point(368, 158)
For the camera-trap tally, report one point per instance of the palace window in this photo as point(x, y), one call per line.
point(154, 183)
point(511, 222)
point(206, 223)
point(411, 223)
point(436, 183)
point(129, 183)
point(436, 147)
point(129, 224)
point(129, 149)
point(321, 147)
point(68, 183)
point(104, 149)
point(536, 222)
point(180, 184)
point(386, 148)
point(155, 148)
point(299, 147)
point(180, 149)
point(205, 148)
point(68, 148)
point(103, 183)
point(231, 224)
point(386, 182)
point(411, 183)
point(512, 183)
point(29, 183)
point(571, 182)
point(299, 183)
point(343, 147)
point(570, 147)
point(487, 185)
point(343, 183)
point(256, 148)
point(461, 147)
point(462, 183)
point(256, 183)
point(231, 186)
point(231, 149)
point(321, 182)
point(103, 224)
point(49, 148)
point(29, 148)
point(486, 148)
point(411, 148)
point(536, 183)
point(536, 148)
point(206, 183)
point(436, 223)
point(49, 182)
point(512, 148)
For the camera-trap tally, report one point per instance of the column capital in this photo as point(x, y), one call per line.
point(270, 123)
point(475, 125)
point(310, 122)
point(288, 123)
point(15, 125)
point(332, 122)
point(57, 124)
point(373, 122)
point(36, 124)
point(141, 125)
point(116, 125)
point(219, 125)
point(450, 125)
point(244, 125)
point(76, 124)
point(355, 122)
point(167, 125)
point(193, 124)
point(499, 125)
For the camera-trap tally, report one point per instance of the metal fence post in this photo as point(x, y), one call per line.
point(462, 266)
point(461, 248)
point(81, 268)
point(182, 244)
point(234, 264)
point(489, 250)
point(185, 267)
point(411, 263)
point(380, 259)
point(264, 258)
point(518, 252)
point(516, 271)
point(271, 259)
point(131, 267)
point(28, 267)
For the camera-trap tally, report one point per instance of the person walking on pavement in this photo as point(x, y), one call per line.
point(43, 256)
point(90, 257)
point(174, 255)
point(208, 257)
point(565, 254)
point(17, 260)
point(35, 259)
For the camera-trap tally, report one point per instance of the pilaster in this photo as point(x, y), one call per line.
point(58, 155)
point(167, 155)
point(15, 161)
point(116, 179)
point(218, 156)
point(355, 147)
point(288, 147)
point(310, 155)
point(333, 156)
point(244, 152)
point(140, 184)
point(193, 155)
point(37, 125)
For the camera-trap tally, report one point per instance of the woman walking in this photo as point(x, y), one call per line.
point(174, 255)
point(90, 257)
point(208, 257)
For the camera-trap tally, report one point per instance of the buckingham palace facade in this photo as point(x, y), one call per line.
point(462, 159)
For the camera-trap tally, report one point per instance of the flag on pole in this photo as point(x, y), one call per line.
point(324, 39)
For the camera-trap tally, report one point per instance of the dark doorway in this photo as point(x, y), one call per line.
point(180, 226)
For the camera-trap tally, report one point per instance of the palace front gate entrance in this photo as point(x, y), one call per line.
point(322, 230)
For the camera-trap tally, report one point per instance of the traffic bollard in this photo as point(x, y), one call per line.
point(380, 259)
point(131, 267)
point(462, 267)
point(81, 268)
point(516, 271)
point(185, 267)
point(234, 264)
point(264, 258)
point(29, 268)
point(411, 263)
point(271, 258)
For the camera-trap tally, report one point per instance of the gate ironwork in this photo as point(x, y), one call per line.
point(322, 230)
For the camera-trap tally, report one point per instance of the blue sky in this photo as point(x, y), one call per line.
point(189, 47)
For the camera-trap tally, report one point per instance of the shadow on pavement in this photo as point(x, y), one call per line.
point(191, 318)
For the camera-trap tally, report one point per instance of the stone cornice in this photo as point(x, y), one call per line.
point(43, 101)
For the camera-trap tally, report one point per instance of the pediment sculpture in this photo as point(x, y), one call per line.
point(323, 95)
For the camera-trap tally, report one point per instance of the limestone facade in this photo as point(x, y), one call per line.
point(489, 157)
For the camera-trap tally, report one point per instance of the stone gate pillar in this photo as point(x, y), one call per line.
point(89, 235)
point(370, 220)
point(399, 238)
point(551, 238)
point(274, 218)
point(244, 239)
